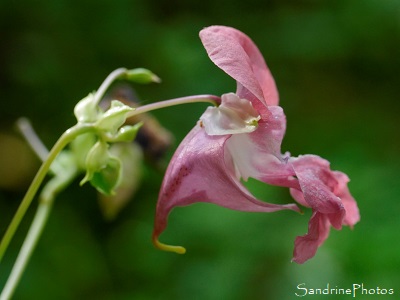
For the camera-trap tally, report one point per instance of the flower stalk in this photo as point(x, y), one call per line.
point(63, 141)
point(114, 75)
point(214, 100)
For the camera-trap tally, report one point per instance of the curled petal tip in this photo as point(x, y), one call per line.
point(296, 261)
point(165, 247)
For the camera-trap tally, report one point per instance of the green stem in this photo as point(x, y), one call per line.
point(172, 102)
point(107, 82)
point(49, 192)
point(30, 242)
point(64, 140)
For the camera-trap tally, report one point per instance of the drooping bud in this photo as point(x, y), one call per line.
point(96, 159)
point(81, 146)
point(114, 117)
point(107, 179)
point(87, 110)
point(142, 76)
point(126, 133)
point(131, 156)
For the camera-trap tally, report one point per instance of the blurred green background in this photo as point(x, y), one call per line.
point(336, 64)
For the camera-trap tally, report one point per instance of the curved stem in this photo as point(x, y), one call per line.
point(64, 140)
point(177, 101)
point(107, 82)
point(48, 194)
point(30, 242)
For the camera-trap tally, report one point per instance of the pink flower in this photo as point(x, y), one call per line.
point(241, 138)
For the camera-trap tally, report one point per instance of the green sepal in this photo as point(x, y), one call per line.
point(114, 117)
point(142, 76)
point(107, 179)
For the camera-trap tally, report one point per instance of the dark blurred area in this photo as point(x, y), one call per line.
point(336, 65)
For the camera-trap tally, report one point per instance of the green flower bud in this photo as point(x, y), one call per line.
point(131, 156)
point(114, 117)
point(126, 133)
point(142, 76)
point(96, 159)
point(107, 179)
point(81, 146)
point(87, 110)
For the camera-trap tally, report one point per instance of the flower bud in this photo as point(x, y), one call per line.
point(142, 76)
point(131, 156)
point(114, 117)
point(126, 133)
point(81, 146)
point(108, 178)
point(86, 110)
point(96, 160)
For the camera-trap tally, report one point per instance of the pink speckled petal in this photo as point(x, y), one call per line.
point(202, 171)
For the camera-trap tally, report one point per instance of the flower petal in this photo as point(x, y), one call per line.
point(202, 171)
point(237, 55)
point(258, 154)
point(317, 182)
point(233, 116)
point(350, 205)
point(307, 245)
point(326, 192)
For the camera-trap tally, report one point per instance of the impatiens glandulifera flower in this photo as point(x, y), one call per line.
point(242, 138)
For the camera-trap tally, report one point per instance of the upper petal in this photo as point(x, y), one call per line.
point(237, 55)
point(202, 171)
